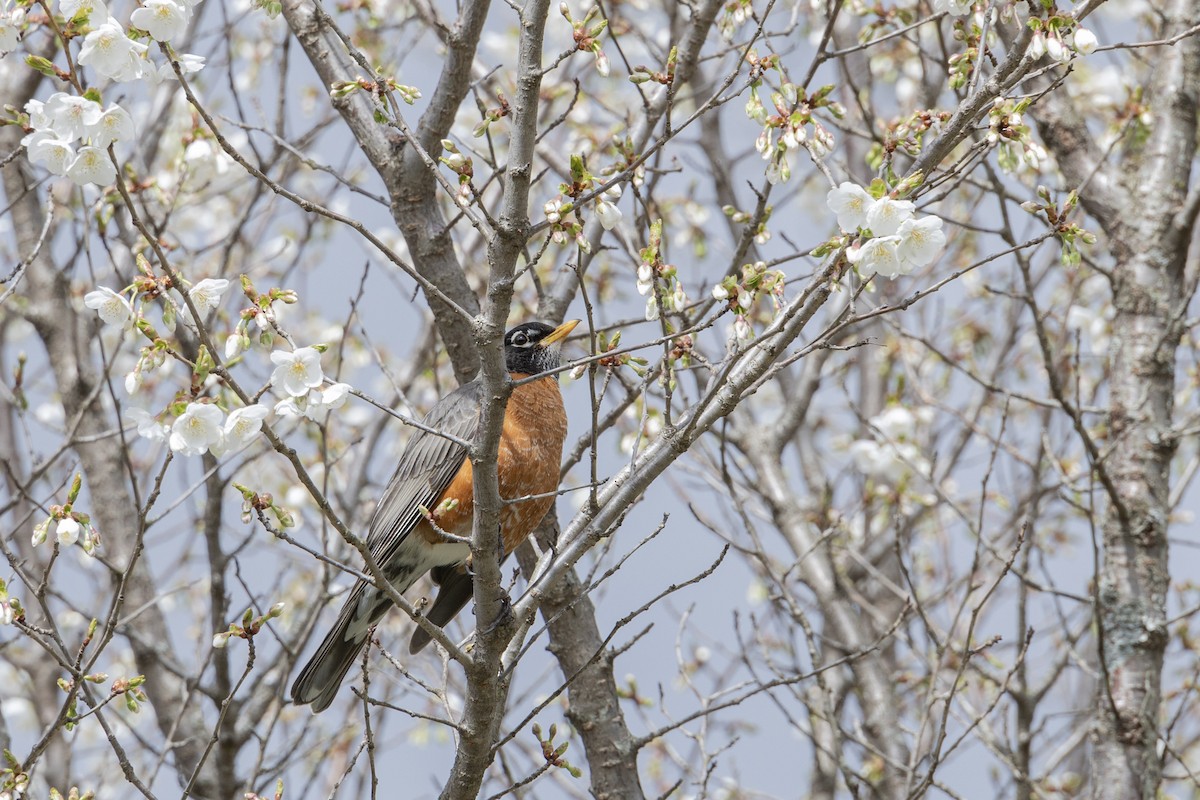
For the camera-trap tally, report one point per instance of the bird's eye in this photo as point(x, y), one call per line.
point(520, 339)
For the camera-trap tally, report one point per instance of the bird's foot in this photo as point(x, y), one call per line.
point(504, 617)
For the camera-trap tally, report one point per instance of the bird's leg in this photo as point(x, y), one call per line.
point(504, 617)
point(506, 613)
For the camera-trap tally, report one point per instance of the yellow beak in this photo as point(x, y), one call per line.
point(559, 333)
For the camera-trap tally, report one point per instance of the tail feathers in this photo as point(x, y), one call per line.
point(322, 676)
point(455, 588)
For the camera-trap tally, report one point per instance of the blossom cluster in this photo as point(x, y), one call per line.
point(1052, 38)
point(70, 525)
point(897, 242)
point(562, 212)
point(115, 310)
point(300, 376)
point(1012, 137)
point(61, 121)
point(202, 427)
point(787, 129)
point(740, 291)
point(110, 51)
point(658, 281)
point(891, 456)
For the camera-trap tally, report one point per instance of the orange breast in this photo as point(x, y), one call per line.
point(531, 441)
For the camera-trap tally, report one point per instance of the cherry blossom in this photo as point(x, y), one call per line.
point(850, 202)
point(920, 240)
point(890, 463)
point(67, 532)
point(879, 255)
point(162, 19)
point(70, 116)
point(11, 20)
point(114, 125)
point(113, 308)
point(113, 54)
point(241, 426)
point(39, 531)
point(606, 209)
point(95, 10)
point(92, 165)
point(148, 426)
point(53, 153)
point(885, 215)
point(206, 294)
point(298, 371)
point(197, 429)
point(1085, 41)
point(956, 8)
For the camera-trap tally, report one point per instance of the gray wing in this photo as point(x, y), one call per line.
point(426, 467)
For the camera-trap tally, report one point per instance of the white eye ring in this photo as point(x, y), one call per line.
point(520, 339)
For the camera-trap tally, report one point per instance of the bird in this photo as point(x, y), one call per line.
point(431, 493)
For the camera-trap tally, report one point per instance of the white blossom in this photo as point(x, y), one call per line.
point(645, 279)
point(609, 214)
point(887, 463)
point(920, 240)
point(235, 343)
point(742, 330)
point(553, 210)
point(1084, 40)
point(38, 118)
point(1037, 46)
point(291, 407)
point(67, 532)
point(885, 215)
point(11, 20)
point(879, 255)
point(322, 401)
point(206, 294)
point(113, 308)
point(956, 8)
point(188, 63)
point(162, 19)
point(70, 116)
point(779, 170)
point(197, 429)
point(241, 426)
point(45, 148)
point(92, 165)
point(114, 125)
point(896, 423)
point(204, 161)
point(1056, 50)
point(850, 202)
point(651, 307)
point(95, 10)
point(719, 292)
point(113, 54)
point(40, 530)
point(148, 426)
point(298, 371)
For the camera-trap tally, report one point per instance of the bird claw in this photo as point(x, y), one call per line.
point(503, 618)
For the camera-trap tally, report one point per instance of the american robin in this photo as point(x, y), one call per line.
point(434, 474)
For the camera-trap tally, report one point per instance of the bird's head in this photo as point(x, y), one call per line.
point(531, 348)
